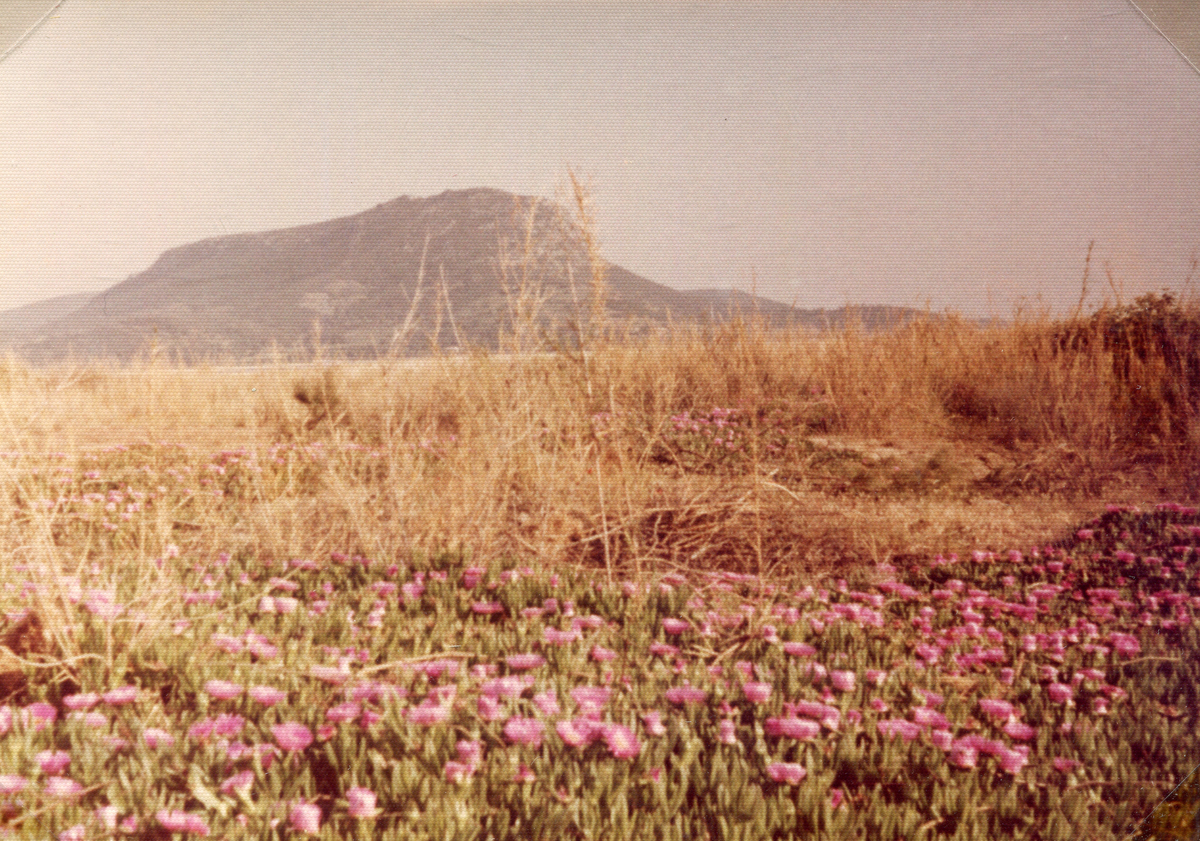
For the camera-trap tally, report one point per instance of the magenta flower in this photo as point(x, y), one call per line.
point(685, 695)
point(339, 713)
point(757, 692)
point(652, 721)
point(996, 708)
point(1020, 731)
point(553, 636)
point(925, 716)
point(574, 732)
point(305, 817)
point(601, 654)
point(240, 782)
point(223, 689)
point(674, 626)
point(799, 649)
point(1126, 645)
point(964, 756)
point(1063, 765)
point(12, 784)
point(1060, 693)
point(892, 727)
point(469, 751)
point(591, 699)
point(787, 772)
point(521, 662)
point(62, 787)
point(120, 695)
point(621, 741)
point(489, 708)
point(829, 716)
point(524, 731)
point(941, 739)
point(1013, 760)
point(842, 681)
point(792, 728)
point(52, 761)
point(292, 735)
point(471, 576)
point(361, 802)
point(176, 821)
point(268, 696)
point(457, 772)
point(547, 702)
point(81, 701)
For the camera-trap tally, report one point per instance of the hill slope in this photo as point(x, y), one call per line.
point(463, 256)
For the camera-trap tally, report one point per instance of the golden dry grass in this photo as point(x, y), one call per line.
point(856, 448)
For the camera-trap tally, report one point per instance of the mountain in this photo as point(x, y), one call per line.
point(459, 269)
point(21, 324)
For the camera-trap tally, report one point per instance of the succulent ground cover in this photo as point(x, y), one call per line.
point(743, 584)
point(1038, 693)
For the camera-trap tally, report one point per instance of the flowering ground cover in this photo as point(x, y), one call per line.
point(220, 691)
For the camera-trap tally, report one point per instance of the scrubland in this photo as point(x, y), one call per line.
point(938, 581)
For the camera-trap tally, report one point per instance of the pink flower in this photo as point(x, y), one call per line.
point(926, 717)
point(1060, 693)
point(787, 772)
point(591, 699)
point(601, 654)
point(996, 708)
point(520, 662)
point(685, 695)
point(489, 708)
point(268, 696)
point(524, 731)
point(52, 761)
point(793, 728)
point(1126, 645)
point(175, 821)
point(361, 802)
point(799, 649)
point(963, 756)
point(575, 732)
point(12, 784)
point(62, 787)
point(1020, 731)
point(757, 692)
point(82, 701)
point(547, 702)
point(471, 576)
point(652, 721)
point(842, 681)
point(621, 741)
point(836, 796)
point(292, 735)
point(120, 695)
point(305, 817)
point(941, 739)
point(553, 636)
point(875, 677)
point(223, 689)
point(892, 727)
point(1063, 765)
point(240, 782)
point(1012, 761)
point(343, 712)
point(457, 772)
point(727, 732)
point(469, 751)
point(330, 674)
point(674, 626)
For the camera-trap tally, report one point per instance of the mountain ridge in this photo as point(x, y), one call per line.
point(460, 269)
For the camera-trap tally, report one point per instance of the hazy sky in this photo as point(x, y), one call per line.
point(960, 154)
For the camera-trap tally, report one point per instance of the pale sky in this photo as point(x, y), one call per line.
point(960, 155)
